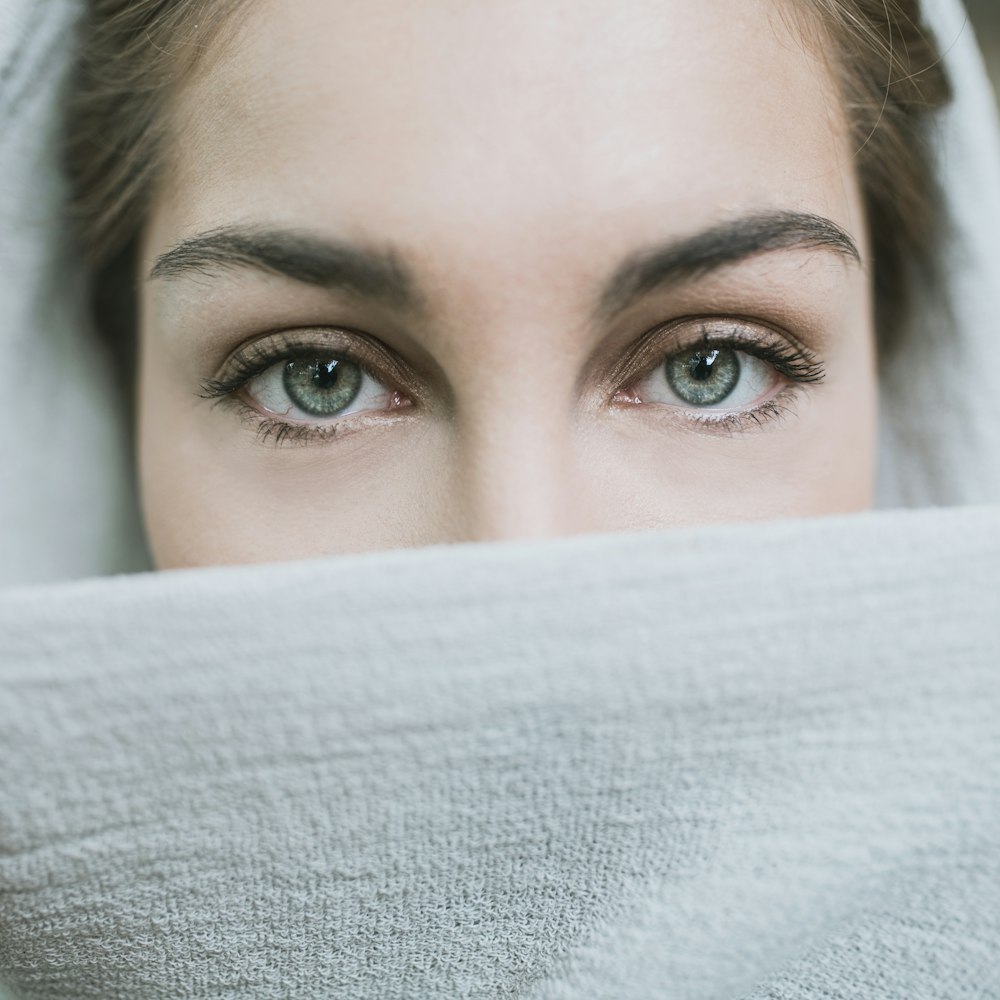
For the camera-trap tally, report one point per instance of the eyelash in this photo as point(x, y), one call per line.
point(795, 362)
point(244, 368)
point(257, 357)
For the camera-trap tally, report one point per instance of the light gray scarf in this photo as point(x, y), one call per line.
point(731, 763)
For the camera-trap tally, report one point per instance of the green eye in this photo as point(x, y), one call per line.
point(703, 377)
point(322, 387)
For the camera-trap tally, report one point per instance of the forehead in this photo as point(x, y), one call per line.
point(501, 123)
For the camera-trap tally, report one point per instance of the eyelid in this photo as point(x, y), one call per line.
point(682, 334)
point(256, 356)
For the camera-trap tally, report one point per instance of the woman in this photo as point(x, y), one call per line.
point(505, 290)
point(750, 760)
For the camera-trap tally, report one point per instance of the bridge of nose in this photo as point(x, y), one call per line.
point(513, 365)
point(514, 470)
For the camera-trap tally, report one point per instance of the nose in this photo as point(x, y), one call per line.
point(517, 477)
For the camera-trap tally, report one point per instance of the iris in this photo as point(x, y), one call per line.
point(322, 387)
point(703, 377)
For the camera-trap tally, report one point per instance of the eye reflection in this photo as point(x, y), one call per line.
point(317, 387)
point(706, 377)
point(322, 387)
point(703, 377)
point(736, 374)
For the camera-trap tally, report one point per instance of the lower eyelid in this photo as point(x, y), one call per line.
point(274, 429)
point(393, 406)
point(776, 406)
point(772, 410)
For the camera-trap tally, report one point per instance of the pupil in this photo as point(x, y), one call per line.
point(703, 369)
point(326, 375)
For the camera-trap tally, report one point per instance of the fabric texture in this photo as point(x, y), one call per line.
point(731, 763)
point(589, 783)
point(65, 504)
point(941, 435)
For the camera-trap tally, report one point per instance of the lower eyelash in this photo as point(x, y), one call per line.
point(741, 421)
point(275, 431)
point(278, 432)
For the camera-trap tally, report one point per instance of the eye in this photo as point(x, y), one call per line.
point(707, 377)
point(313, 388)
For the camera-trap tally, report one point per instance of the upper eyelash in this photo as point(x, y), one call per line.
point(795, 362)
point(798, 364)
point(244, 370)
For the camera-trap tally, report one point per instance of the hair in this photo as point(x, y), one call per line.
point(892, 79)
point(134, 54)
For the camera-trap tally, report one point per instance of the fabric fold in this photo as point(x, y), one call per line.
point(779, 776)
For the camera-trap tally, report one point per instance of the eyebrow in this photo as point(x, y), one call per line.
point(722, 245)
point(381, 274)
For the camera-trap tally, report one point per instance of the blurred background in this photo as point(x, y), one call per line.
point(985, 16)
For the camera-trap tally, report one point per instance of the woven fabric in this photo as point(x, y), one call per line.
point(730, 763)
point(673, 766)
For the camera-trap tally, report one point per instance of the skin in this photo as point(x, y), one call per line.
point(511, 153)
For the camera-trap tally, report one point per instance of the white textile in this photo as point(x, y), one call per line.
point(732, 763)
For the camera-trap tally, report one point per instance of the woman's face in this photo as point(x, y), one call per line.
point(439, 272)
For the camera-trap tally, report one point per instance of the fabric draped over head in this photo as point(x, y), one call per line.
point(746, 761)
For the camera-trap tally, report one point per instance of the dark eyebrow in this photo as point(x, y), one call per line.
point(724, 244)
point(382, 274)
point(374, 273)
